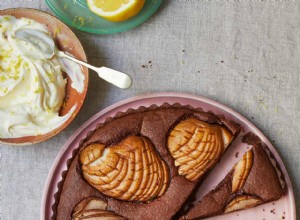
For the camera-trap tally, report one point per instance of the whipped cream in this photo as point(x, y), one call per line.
point(32, 90)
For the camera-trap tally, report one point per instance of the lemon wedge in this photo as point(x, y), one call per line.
point(116, 10)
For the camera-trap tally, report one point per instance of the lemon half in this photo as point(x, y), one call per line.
point(116, 10)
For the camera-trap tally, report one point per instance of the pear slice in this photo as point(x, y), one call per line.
point(242, 202)
point(93, 209)
point(241, 171)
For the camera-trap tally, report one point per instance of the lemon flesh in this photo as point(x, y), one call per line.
point(116, 10)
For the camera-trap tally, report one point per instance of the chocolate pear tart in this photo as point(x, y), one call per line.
point(148, 163)
point(142, 164)
point(253, 181)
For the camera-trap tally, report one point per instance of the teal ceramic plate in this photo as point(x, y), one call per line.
point(77, 14)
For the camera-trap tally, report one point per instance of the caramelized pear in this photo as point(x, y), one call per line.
point(241, 171)
point(94, 209)
point(197, 146)
point(131, 170)
point(242, 202)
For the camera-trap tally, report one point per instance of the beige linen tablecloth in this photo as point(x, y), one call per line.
point(244, 54)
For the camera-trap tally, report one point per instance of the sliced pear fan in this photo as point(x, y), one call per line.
point(197, 146)
point(131, 170)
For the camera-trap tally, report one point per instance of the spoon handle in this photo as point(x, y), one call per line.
point(114, 77)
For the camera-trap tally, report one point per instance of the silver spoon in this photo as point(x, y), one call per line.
point(44, 44)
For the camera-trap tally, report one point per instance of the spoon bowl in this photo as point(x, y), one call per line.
point(42, 42)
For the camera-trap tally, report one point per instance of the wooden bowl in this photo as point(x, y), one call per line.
point(66, 41)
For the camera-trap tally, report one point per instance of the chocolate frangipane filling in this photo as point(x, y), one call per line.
point(131, 170)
